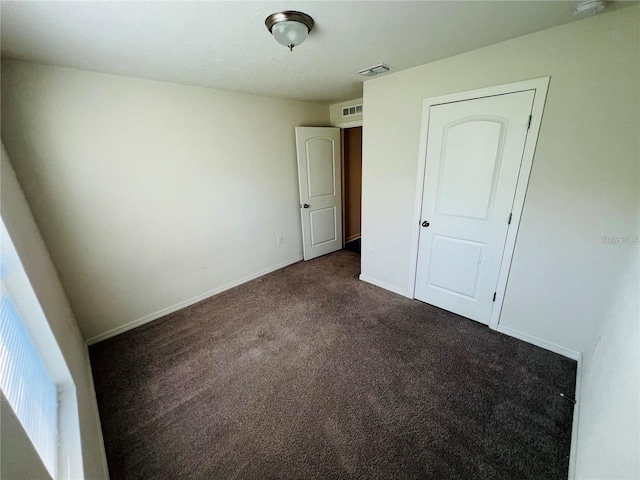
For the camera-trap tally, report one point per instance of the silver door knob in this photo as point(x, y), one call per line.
point(425, 223)
point(305, 205)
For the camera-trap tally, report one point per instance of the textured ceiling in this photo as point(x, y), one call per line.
point(226, 45)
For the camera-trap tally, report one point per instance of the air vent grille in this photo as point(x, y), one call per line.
point(375, 70)
point(352, 110)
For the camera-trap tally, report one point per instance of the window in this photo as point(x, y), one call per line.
point(34, 377)
point(25, 382)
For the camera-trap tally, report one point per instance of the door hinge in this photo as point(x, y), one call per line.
point(529, 124)
point(510, 217)
point(494, 296)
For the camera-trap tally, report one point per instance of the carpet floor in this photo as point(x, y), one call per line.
point(310, 373)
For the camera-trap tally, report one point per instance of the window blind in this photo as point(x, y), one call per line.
point(26, 383)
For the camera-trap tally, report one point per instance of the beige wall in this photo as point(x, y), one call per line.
point(149, 194)
point(335, 112)
point(584, 182)
point(584, 185)
point(47, 286)
point(609, 429)
point(19, 458)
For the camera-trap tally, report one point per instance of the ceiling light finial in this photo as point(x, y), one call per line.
point(289, 28)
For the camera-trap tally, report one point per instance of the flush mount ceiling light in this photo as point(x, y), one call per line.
point(289, 28)
point(588, 7)
point(375, 70)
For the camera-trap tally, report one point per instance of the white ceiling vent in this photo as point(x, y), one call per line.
point(352, 110)
point(375, 70)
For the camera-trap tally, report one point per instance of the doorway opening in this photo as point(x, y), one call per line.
point(352, 187)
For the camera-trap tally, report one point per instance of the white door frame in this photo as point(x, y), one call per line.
point(351, 124)
point(343, 126)
point(540, 85)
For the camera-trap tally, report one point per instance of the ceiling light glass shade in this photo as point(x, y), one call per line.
point(289, 28)
point(290, 34)
point(588, 7)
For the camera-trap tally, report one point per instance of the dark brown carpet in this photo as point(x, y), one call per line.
point(310, 373)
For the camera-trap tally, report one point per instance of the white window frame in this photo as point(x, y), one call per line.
point(69, 458)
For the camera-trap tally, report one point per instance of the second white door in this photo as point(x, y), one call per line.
point(319, 177)
point(474, 152)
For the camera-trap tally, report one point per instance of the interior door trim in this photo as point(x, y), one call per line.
point(541, 86)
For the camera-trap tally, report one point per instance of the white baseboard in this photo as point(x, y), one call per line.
point(352, 238)
point(96, 414)
point(538, 342)
point(574, 426)
point(174, 308)
point(386, 286)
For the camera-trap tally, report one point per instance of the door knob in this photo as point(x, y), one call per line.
point(425, 223)
point(305, 205)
